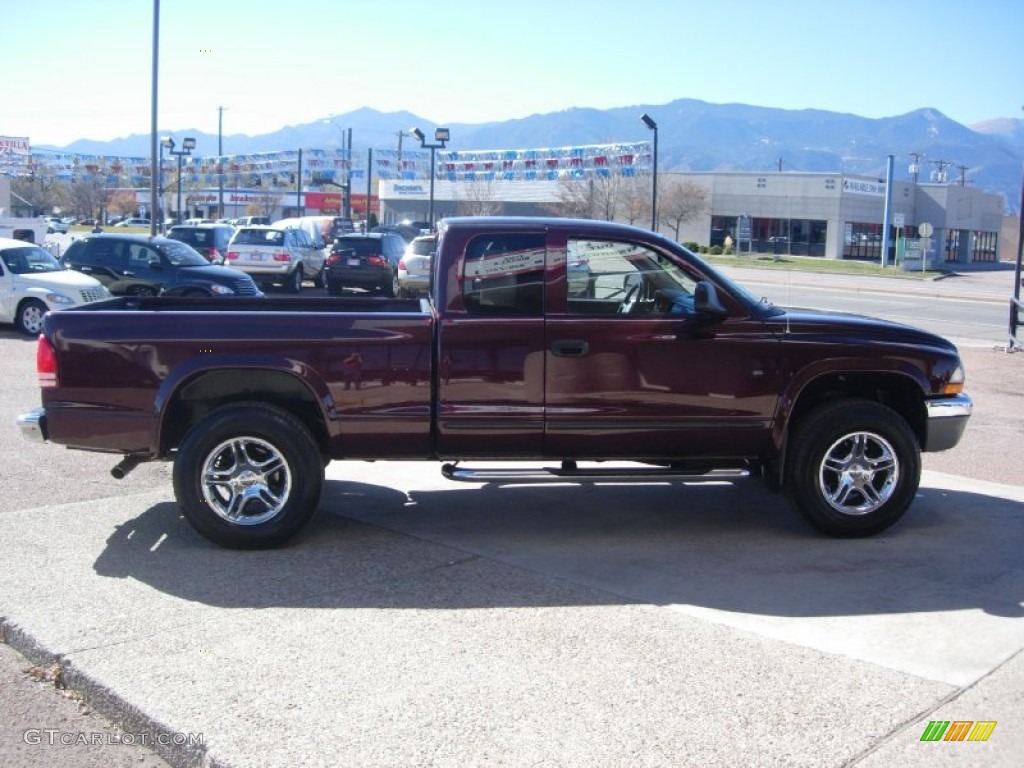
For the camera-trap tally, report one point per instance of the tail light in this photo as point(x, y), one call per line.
point(334, 258)
point(282, 256)
point(214, 255)
point(46, 364)
point(401, 264)
point(232, 256)
point(376, 261)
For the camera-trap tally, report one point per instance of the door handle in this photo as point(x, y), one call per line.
point(570, 348)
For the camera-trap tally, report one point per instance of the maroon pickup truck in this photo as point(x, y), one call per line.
point(553, 340)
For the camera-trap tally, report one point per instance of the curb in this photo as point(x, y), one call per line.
point(106, 702)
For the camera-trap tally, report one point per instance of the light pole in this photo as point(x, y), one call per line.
point(220, 162)
point(441, 137)
point(654, 171)
point(165, 141)
point(154, 182)
point(187, 145)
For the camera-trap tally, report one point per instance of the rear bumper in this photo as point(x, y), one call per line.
point(33, 425)
point(947, 420)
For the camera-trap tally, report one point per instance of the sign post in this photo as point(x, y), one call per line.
point(925, 230)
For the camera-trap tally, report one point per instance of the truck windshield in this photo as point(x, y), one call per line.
point(30, 260)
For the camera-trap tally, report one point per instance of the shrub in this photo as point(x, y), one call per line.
point(715, 250)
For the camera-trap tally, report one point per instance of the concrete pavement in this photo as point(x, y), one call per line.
point(416, 623)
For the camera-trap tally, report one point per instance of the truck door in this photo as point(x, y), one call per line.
point(491, 349)
point(634, 372)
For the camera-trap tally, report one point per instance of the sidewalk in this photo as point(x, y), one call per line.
point(989, 284)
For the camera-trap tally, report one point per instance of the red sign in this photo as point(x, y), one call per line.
point(324, 201)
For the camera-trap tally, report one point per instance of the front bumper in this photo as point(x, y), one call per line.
point(947, 420)
point(33, 425)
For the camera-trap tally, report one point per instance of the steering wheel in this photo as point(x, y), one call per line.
point(629, 301)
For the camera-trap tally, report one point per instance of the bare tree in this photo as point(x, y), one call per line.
point(41, 192)
point(575, 199)
point(267, 204)
point(86, 197)
point(634, 195)
point(478, 199)
point(596, 197)
point(680, 202)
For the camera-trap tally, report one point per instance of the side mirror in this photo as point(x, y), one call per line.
point(707, 303)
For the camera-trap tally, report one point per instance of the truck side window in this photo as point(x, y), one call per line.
point(606, 277)
point(504, 275)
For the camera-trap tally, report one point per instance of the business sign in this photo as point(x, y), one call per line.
point(861, 187)
point(15, 153)
point(15, 145)
point(323, 201)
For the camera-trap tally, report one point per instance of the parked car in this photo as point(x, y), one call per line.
point(251, 221)
point(139, 265)
point(210, 240)
point(281, 256)
point(54, 224)
point(415, 265)
point(33, 282)
point(405, 231)
point(367, 261)
point(132, 223)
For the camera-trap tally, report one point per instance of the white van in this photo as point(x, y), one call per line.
point(321, 229)
point(33, 282)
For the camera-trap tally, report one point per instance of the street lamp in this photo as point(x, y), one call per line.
point(187, 145)
point(654, 174)
point(441, 137)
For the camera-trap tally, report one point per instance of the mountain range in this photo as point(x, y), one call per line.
point(693, 135)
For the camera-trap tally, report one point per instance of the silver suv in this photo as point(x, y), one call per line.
point(272, 255)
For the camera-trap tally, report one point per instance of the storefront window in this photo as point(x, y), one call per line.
point(862, 241)
point(983, 246)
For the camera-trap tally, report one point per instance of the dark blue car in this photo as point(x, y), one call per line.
point(139, 265)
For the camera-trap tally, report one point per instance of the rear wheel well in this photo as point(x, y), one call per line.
point(206, 392)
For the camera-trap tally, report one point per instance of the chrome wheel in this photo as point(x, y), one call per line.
point(246, 480)
point(30, 317)
point(858, 473)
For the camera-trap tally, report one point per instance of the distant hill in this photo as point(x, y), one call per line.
point(692, 136)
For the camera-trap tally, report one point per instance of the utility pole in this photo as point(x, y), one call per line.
point(915, 167)
point(963, 175)
point(940, 174)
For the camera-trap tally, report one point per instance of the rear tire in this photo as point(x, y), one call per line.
point(854, 468)
point(295, 280)
point(390, 287)
point(248, 476)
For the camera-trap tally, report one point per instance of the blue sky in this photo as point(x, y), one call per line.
point(84, 70)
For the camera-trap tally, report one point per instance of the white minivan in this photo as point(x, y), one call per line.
point(33, 282)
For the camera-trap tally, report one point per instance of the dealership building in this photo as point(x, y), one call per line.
point(829, 215)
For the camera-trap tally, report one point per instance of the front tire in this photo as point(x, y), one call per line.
point(248, 476)
point(29, 319)
point(855, 468)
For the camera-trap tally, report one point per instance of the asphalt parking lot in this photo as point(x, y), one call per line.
point(420, 622)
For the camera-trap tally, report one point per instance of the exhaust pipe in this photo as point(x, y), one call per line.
point(126, 465)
